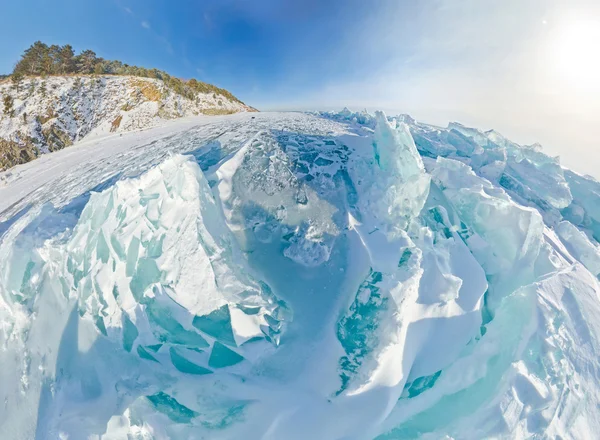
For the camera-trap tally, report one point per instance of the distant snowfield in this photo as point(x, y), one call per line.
point(293, 276)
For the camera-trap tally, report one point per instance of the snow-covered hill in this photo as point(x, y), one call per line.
point(47, 114)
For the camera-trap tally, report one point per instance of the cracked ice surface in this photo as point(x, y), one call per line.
point(331, 276)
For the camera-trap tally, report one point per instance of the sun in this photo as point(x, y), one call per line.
point(576, 53)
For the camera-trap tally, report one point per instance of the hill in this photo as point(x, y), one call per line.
point(55, 98)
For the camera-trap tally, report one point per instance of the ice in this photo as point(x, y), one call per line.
point(580, 246)
point(540, 179)
point(146, 273)
point(262, 179)
point(433, 142)
point(530, 176)
point(326, 276)
point(507, 237)
point(186, 366)
point(585, 209)
point(399, 185)
point(358, 330)
point(162, 313)
point(221, 356)
point(130, 333)
point(216, 324)
point(413, 294)
point(144, 354)
point(171, 408)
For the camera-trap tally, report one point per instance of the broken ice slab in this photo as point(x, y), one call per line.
point(100, 325)
point(217, 324)
point(540, 181)
point(171, 408)
point(396, 189)
point(248, 310)
point(154, 347)
point(130, 333)
point(143, 353)
point(586, 202)
point(221, 356)
point(509, 235)
point(146, 273)
point(168, 329)
point(26, 289)
point(102, 250)
point(406, 254)
point(116, 245)
point(132, 256)
point(357, 330)
point(580, 246)
point(420, 385)
point(154, 247)
point(184, 365)
point(323, 161)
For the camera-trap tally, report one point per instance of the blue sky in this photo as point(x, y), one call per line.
point(264, 51)
point(523, 67)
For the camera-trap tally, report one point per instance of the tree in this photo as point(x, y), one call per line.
point(8, 106)
point(155, 73)
point(16, 78)
point(42, 60)
point(113, 67)
point(50, 60)
point(99, 68)
point(86, 61)
point(66, 58)
point(32, 60)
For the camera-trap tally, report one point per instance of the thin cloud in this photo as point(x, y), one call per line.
point(124, 8)
point(208, 21)
point(146, 25)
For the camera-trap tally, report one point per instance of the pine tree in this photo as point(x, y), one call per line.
point(86, 61)
point(99, 68)
point(16, 78)
point(66, 59)
point(32, 60)
point(50, 60)
point(41, 60)
point(8, 106)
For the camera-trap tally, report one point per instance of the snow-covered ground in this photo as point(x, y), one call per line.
point(292, 276)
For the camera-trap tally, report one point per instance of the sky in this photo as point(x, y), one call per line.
point(528, 68)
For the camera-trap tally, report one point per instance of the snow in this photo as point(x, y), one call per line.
point(327, 276)
point(73, 108)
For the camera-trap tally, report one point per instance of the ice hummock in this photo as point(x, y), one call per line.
point(334, 276)
point(144, 249)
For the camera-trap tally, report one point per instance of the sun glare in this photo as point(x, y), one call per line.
point(576, 53)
